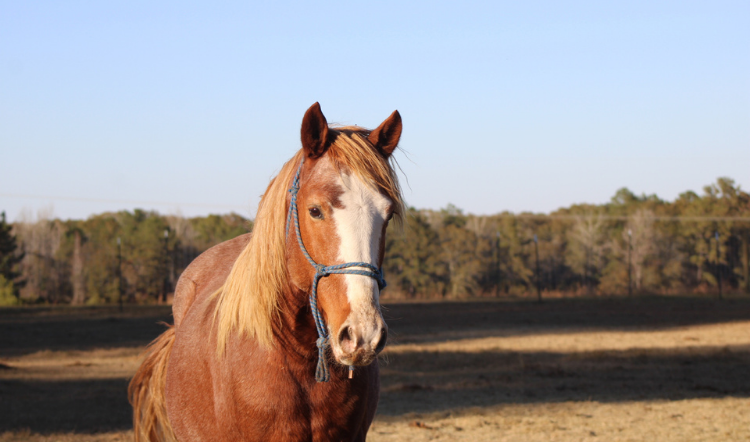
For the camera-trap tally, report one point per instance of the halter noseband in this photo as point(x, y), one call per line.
point(323, 342)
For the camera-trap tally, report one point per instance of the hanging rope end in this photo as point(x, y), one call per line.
point(321, 372)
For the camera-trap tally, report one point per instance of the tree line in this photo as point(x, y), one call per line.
point(129, 257)
point(634, 244)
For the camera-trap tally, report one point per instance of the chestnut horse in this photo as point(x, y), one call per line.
point(244, 359)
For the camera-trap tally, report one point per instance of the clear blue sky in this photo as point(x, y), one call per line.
point(519, 106)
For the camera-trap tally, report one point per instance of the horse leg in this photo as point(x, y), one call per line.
point(146, 392)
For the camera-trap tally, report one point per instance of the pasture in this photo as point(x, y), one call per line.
point(667, 369)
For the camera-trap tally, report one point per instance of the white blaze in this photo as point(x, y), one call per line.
point(359, 225)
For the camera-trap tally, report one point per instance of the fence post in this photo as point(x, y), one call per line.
point(165, 285)
point(119, 272)
point(630, 265)
point(718, 264)
point(538, 285)
point(497, 265)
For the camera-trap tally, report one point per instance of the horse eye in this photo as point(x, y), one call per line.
point(315, 213)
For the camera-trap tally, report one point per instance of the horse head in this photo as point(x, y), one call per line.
point(343, 208)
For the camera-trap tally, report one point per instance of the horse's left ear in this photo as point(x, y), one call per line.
point(385, 137)
point(315, 135)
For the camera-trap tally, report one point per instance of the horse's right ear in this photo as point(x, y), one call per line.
point(385, 137)
point(314, 132)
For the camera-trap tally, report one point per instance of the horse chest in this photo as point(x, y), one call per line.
point(284, 409)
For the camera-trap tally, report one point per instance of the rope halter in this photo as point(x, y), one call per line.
point(323, 342)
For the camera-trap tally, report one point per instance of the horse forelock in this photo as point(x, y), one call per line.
point(352, 152)
point(248, 300)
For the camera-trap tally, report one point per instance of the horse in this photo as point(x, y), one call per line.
point(276, 332)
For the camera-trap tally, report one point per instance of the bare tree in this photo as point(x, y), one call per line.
point(587, 248)
point(40, 240)
point(76, 272)
point(644, 238)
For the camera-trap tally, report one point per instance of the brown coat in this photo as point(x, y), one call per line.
point(241, 365)
point(252, 393)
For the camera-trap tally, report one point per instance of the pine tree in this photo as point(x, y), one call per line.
point(8, 257)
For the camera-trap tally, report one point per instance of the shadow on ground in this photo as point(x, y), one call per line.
point(423, 382)
point(24, 331)
point(90, 406)
point(433, 322)
point(412, 382)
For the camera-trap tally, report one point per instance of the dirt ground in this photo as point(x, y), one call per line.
point(656, 369)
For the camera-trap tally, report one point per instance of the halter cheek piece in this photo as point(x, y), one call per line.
point(323, 342)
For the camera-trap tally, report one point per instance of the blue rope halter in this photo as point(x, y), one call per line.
point(321, 372)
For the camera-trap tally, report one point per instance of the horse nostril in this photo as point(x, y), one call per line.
point(382, 341)
point(346, 339)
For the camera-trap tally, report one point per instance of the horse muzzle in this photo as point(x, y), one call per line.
point(358, 344)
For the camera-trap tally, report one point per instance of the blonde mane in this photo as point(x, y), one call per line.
point(248, 301)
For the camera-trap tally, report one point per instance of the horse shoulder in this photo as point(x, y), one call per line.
point(206, 274)
point(190, 399)
point(238, 395)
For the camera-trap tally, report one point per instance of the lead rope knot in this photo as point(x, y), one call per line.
point(321, 371)
point(380, 279)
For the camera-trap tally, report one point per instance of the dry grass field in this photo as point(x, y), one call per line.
point(653, 369)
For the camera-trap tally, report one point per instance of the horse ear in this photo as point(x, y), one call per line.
point(385, 137)
point(314, 132)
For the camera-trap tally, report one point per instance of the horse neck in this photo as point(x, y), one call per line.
point(295, 331)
